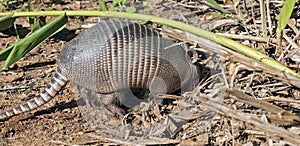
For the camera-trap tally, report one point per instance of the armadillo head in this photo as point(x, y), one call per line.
point(177, 70)
point(191, 79)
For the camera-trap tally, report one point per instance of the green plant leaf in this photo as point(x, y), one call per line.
point(217, 6)
point(285, 14)
point(119, 2)
point(130, 9)
point(22, 47)
point(102, 5)
point(249, 52)
point(284, 18)
point(37, 23)
point(6, 21)
point(218, 15)
point(112, 9)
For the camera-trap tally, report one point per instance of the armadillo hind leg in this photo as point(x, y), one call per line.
point(99, 104)
point(52, 89)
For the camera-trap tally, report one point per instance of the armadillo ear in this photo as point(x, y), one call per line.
point(193, 55)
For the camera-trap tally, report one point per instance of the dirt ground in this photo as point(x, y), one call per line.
point(60, 121)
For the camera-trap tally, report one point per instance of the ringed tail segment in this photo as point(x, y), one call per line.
point(57, 83)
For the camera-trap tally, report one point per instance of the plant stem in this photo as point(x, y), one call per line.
point(171, 23)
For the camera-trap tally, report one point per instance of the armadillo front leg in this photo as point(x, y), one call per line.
point(107, 103)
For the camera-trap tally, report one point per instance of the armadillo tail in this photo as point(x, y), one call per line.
point(52, 89)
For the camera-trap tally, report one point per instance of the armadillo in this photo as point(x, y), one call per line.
point(115, 55)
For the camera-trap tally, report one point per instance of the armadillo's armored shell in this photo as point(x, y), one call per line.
point(115, 55)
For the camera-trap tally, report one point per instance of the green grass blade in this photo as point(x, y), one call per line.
point(285, 14)
point(217, 6)
point(102, 5)
point(22, 47)
point(284, 18)
point(171, 23)
point(7, 21)
point(4, 53)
